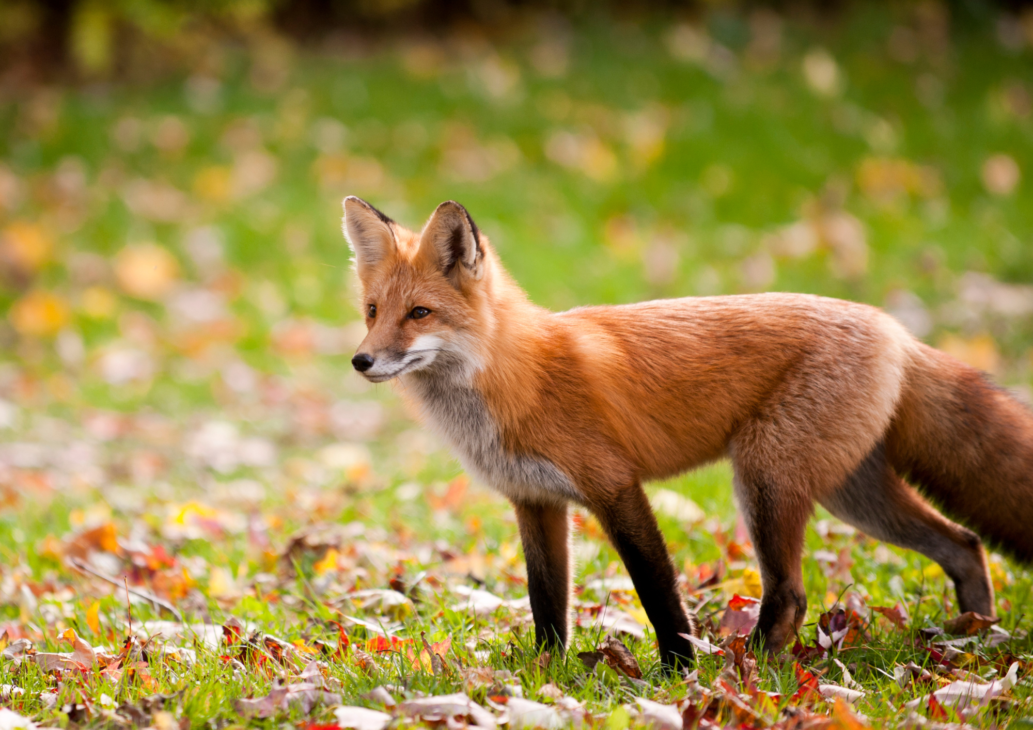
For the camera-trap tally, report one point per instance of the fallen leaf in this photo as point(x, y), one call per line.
point(897, 615)
point(911, 673)
point(740, 662)
point(448, 707)
point(359, 718)
point(39, 314)
point(834, 691)
point(619, 657)
point(146, 271)
point(703, 646)
point(1001, 174)
point(529, 714)
point(81, 651)
point(658, 716)
point(11, 720)
point(740, 617)
point(304, 696)
point(962, 693)
point(591, 658)
point(968, 623)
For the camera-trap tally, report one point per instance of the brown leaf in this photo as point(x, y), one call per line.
point(591, 658)
point(897, 614)
point(619, 657)
point(968, 623)
point(448, 707)
point(740, 663)
point(437, 663)
point(82, 652)
point(304, 695)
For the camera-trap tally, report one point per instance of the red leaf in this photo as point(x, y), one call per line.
point(807, 684)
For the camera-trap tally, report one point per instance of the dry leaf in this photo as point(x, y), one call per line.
point(740, 617)
point(968, 623)
point(146, 271)
point(39, 314)
point(359, 718)
point(528, 714)
point(619, 657)
point(448, 707)
point(658, 716)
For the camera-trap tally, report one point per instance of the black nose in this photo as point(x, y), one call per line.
point(362, 362)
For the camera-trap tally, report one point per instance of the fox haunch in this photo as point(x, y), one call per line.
point(812, 399)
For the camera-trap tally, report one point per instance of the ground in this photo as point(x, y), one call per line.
point(182, 439)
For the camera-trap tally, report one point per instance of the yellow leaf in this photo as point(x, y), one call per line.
point(213, 183)
point(747, 584)
point(932, 571)
point(193, 509)
point(25, 245)
point(328, 563)
point(303, 648)
point(979, 351)
point(639, 615)
point(99, 302)
point(220, 583)
point(93, 617)
point(146, 271)
point(51, 547)
point(751, 580)
point(39, 314)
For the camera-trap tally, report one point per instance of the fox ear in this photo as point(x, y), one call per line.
point(369, 233)
point(451, 240)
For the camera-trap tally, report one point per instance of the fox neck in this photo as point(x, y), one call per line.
point(458, 396)
point(498, 346)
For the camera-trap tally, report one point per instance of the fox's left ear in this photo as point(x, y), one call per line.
point(451, 240)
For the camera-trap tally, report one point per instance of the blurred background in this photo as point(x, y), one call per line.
point(177, 309)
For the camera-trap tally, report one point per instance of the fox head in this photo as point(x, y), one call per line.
point(426, 297)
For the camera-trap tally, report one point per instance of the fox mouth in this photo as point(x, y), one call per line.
point(412, 359)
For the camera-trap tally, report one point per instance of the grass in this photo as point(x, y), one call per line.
point(609, 162)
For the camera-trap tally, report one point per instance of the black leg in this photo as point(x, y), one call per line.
point(629, 521)
point(544, 532)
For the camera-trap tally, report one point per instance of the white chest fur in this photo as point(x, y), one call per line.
point(458, 412)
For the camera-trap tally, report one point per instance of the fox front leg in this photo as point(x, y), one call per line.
point(629, 521)
point(545, 534)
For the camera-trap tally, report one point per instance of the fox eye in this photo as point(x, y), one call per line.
point(372, 311)
point(419, 313)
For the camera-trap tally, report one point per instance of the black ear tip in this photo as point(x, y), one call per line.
point(462, 211)
point(355, 200)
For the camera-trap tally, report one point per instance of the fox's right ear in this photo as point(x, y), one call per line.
point(369, 233)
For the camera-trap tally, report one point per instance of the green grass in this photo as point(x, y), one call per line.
point(678, 178)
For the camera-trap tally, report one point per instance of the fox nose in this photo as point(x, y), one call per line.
point(362, 362)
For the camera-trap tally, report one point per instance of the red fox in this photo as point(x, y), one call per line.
point(812, 399)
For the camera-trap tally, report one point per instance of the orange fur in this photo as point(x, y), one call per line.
point(813, 399)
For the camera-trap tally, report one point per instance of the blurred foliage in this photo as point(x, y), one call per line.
point(883, 157)
point(98, 38)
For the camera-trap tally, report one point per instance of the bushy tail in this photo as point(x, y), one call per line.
point(968, 446)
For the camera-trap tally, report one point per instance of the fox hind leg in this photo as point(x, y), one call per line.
point(879, 503)
point(776, 517)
